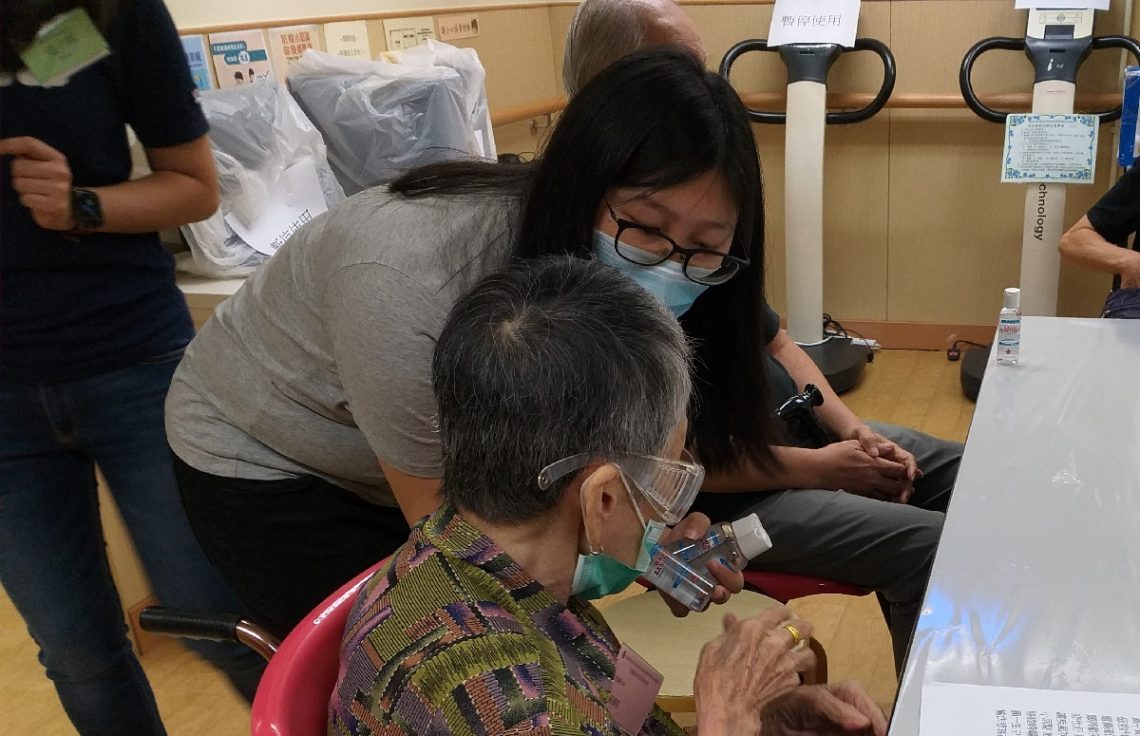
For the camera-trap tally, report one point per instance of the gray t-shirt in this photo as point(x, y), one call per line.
point(321, 362)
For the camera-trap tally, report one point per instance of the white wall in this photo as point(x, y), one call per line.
point(195, 13)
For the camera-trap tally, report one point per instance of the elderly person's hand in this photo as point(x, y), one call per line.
point(754, 661)
point(729, 582)
point(841, 709)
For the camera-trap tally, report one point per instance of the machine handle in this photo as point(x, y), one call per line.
point(1003, 43)
point(833, 118)
point(888, 86)
point(1116, 42)
point(1018, 44)
point(730, 57)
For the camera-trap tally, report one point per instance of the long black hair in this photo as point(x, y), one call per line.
point(653, 120)
point(21, 20)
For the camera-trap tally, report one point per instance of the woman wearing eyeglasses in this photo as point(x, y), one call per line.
point(562, 390)
point(303, 418)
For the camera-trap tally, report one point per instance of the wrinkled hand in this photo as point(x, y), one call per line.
point(839, 709)
point(695, 526)
point(753, 661)
point(849, 466)
point(41, 177)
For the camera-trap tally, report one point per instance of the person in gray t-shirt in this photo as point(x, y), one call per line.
point(302, 415)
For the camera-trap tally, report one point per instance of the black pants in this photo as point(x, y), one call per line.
point(285, 545)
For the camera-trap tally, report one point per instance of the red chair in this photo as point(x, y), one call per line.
point(293, 696)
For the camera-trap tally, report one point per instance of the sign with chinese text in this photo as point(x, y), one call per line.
point(1050, 148)
point(452, 27)
point(288, 43)
point(980, 710)
point(814, 21)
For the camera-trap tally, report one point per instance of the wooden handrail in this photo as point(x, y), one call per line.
point(516, 114)
point(1015, 102)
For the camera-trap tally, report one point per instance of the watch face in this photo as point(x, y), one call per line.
point(85, 209)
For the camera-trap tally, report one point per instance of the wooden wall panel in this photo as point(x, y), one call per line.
point(515, 48)
point(955, 230)
point(559, 18)
point(917, 226)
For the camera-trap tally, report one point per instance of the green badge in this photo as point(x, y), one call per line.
point(65, 45)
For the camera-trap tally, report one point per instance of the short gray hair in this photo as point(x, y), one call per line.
point(601, 32)
point(549, 358)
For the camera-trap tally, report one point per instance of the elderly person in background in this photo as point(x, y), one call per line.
point(603, 31)
point(562, 389)
point(866, 510)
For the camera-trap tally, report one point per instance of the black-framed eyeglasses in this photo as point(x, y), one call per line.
point(648, 246)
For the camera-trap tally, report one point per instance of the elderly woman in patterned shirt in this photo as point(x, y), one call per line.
point(562, 389)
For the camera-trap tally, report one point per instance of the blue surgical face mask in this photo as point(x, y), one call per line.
point(598, 574)
point(666, 281)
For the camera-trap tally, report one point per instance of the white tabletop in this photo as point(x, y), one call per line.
point(1037, 579)
point(207, 293)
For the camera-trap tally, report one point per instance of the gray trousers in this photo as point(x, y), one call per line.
point(878, 545)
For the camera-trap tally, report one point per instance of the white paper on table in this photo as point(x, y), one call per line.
point(814, 21)
point(1062, 4)
point(983, 710)
point(1050, 148)
point(295, 200)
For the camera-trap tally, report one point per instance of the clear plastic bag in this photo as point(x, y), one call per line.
point(380, 119)
point(257, 132)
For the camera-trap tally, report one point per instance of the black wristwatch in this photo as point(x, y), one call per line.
point(85, 209)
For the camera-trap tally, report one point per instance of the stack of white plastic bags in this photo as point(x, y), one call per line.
point(349, 125)
point(380, 119)
point(273, 173)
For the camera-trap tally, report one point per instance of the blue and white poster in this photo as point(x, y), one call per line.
point(198, 58)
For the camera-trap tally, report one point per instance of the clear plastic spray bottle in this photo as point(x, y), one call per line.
point(680, 567)
point(1009, 329)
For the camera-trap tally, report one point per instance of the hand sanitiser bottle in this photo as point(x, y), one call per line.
point(1009, 329)
point(680, 568)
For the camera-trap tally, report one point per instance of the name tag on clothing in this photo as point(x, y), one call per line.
point(635, 688)
point(65, 45)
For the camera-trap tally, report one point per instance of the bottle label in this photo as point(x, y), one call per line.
point(1009, 331)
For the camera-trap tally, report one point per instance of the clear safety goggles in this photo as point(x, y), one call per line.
point(670, 486)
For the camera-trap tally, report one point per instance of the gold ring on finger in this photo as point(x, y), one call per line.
point(798, 640)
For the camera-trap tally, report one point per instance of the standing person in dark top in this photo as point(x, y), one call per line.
point(92, 326)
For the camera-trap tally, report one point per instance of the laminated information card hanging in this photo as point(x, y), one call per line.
point(814, 21)
point(1050, 148)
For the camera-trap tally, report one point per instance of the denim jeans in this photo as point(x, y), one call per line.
point(53, 564)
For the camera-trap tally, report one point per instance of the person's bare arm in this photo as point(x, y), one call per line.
point(1084, 246)
point(862, 462)
point(803, 370)
point(182, 188)
point(417, 496)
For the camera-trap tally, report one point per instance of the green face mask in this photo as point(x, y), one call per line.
point(598, 575)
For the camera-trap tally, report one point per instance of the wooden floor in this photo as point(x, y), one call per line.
point(917, 389)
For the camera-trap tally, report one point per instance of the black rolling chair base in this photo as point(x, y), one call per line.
point(840, 360)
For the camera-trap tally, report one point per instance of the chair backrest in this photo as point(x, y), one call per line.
point(293, 696)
